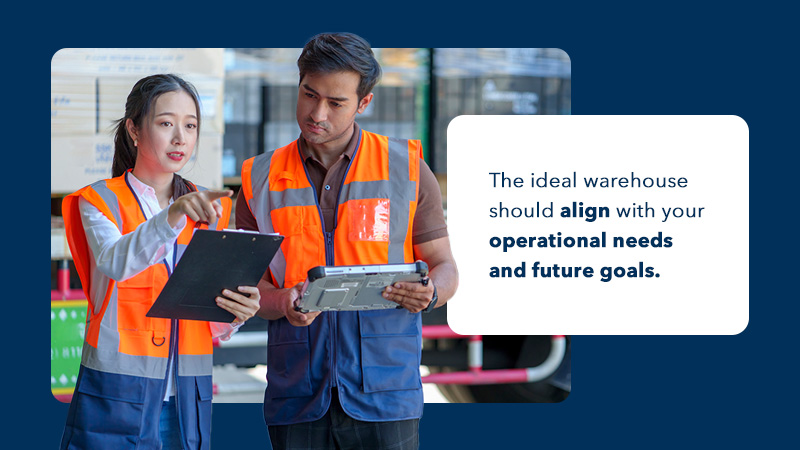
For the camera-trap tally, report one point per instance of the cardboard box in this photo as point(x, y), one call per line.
point(77, 161)
point(73, 105)
point(89, 88)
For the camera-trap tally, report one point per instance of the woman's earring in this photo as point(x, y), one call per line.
point(135, 142)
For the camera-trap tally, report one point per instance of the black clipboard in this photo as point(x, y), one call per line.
point(213, 261)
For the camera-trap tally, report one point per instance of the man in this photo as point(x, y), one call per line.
point(344, 196)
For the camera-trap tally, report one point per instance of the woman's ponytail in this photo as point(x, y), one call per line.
point(124, 150)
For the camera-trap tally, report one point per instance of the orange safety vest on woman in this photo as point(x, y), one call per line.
point(125, 357)
point(372, 357)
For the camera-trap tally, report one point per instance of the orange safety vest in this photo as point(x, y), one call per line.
point(133, 335)
point(347, 349)
point(125, 355)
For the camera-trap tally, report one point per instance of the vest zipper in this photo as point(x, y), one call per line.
point(174, 352)
point(332, 314)
point(330, 260)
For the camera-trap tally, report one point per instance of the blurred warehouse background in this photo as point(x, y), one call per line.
point(248, 98)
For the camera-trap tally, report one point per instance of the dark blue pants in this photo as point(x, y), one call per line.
point(336, 430)
point(168, 426)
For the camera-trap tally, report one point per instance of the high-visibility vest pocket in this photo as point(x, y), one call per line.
point(391, 348)
point(289, 355)
point(390, 363)
point(135, 296)
point(108, 411)
point(368, 220)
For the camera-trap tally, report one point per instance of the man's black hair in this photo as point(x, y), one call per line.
point(341, 52)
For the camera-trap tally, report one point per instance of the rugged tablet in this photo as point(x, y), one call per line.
point(355, 288)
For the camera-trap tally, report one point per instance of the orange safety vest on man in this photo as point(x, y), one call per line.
point(372, 357)
point(125, 355)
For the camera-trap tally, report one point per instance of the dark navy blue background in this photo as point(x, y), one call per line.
point(628, 391)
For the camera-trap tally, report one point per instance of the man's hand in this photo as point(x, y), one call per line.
point(289, 300)
point(412, 296)
point(277, 303)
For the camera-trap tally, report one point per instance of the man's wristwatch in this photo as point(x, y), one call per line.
point(432, 304)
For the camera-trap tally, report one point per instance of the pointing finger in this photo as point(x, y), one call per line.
point(213, 195)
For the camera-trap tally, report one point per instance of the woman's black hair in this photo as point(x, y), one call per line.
point(341, 52)
point(138, 107)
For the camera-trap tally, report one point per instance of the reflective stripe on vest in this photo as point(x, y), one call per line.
point(119, 337)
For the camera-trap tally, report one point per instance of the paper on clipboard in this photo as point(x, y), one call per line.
point(214, 260)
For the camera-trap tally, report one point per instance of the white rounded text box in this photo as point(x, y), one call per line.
point(599, 224)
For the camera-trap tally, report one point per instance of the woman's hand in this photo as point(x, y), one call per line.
point(243, 305)
point(198, 206)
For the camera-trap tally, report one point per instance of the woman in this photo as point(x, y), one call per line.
point(145, 382)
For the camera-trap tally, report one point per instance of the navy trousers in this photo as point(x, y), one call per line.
point(338, 431)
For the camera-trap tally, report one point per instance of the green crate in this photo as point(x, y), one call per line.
point(67, 329)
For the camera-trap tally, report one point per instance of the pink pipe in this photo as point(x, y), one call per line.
point(479, 377)
point(63, 292)
point(72, 294)
point(63, 279)
point(476, 374)
point(439, 332)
